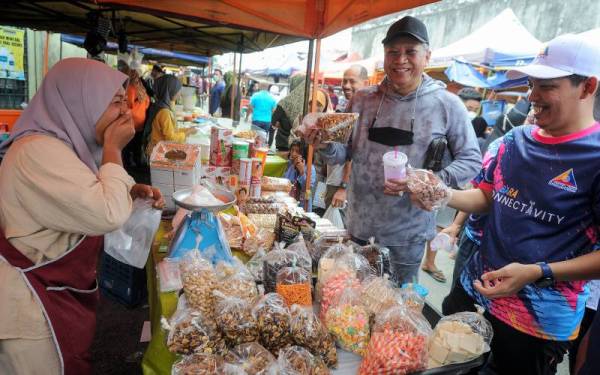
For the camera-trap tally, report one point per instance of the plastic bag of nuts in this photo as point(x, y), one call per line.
point(399, 343)
point(199, 281)
point(428, 189)
point(234, 280)
point(251, 357)
point(190, 331)
point(235, 319)
point(335, 127)
point(273, 318)
point(256, 264)
point(296, 360)
point(294, 286)
point(280, 258)
point(198, 364)
point(308, 331)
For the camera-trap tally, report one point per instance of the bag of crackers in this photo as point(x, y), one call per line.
point(252, 358)
point(199, 364)
point(459, 338)
point(235, 319)
point(190, 331)
point(273, 319)
point(294, 284)
point(296, 360)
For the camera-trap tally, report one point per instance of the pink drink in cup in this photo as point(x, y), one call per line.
point(394, 165)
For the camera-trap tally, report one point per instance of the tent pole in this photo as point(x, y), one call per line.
point(239, 84)
point(233, 87)
point(313, 107)
point(311, 48)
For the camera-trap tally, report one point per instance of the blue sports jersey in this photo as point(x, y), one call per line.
point(475, 224)
point(545, 208)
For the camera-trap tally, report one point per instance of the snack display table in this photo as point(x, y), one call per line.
point(158, 360)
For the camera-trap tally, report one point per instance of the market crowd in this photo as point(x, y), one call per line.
point(527, 193)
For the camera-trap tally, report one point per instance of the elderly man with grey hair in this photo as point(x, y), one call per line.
point(414, 114)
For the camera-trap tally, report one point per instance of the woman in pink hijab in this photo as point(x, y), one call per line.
point(63, 187)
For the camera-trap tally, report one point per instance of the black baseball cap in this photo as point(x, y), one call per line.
point(407, 26)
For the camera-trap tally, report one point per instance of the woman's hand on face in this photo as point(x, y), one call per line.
point(299, 165)
point(119, 132)
point(148, 192)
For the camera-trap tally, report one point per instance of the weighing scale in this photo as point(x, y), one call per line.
point(201, 229)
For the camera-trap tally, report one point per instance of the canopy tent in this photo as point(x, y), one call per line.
point(303, 18)
point(473, 75)
point(178, 58)
point(335, 69)
point(593, 35)
point(503, 41)
point(147, 27)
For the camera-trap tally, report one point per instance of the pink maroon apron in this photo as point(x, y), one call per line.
point(67, 289)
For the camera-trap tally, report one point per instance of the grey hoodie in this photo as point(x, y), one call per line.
point(394, 221)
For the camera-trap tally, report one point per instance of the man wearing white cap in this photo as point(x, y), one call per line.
point(542, 192)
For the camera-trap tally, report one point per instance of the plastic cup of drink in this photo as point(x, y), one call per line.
point(442, 241)
point(394, 165)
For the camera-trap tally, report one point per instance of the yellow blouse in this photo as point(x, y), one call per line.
point(164, 129)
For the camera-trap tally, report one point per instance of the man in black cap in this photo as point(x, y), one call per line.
point(411, 113)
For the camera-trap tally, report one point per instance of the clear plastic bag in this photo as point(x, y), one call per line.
point(198, 364)
point(280, 258)
point(294, 284)
point(459, 338)
point(131, 243)
point(335, 127)
point(378, 294)
point(264, 238)
point(273, 318)
point(296, 360)
point(256, 264)
point(190, 331)
point(378, 257)
point(251, 357)
point(399, 343)
point(235, 319)
point(308, 331)
point(235, 280)
point(199, 280)
point(169, 275)
point(327, 263)
point(335, 217)
point(264, 221)
point(348, 320)
point(275, 184)
point(411, 298)
point(428, 189)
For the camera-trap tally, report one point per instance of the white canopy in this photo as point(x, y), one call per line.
point(502, 41)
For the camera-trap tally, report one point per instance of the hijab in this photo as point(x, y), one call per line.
point(292, 105)
point(68, 104)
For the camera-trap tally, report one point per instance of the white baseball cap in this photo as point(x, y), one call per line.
point(563, 56)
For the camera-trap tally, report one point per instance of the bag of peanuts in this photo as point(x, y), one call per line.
point(399, 343)
point(251, 357)
point(378, 294)
point(199, 364)
point(348, 320)
point(334, 127)
point(199, 280)
point(308, 331)
point(296, 360)
point(459, 338)
point(234, 280)
point(428, 189)
point(294, 284)
point(235, 319)
point(190, 331)
point(273, 318)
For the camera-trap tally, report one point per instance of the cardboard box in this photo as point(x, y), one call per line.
point(186, 178)
point(162, 176)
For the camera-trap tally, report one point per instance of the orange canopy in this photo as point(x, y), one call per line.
point(302, 18)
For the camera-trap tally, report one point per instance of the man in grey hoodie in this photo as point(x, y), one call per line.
point(405, 112)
